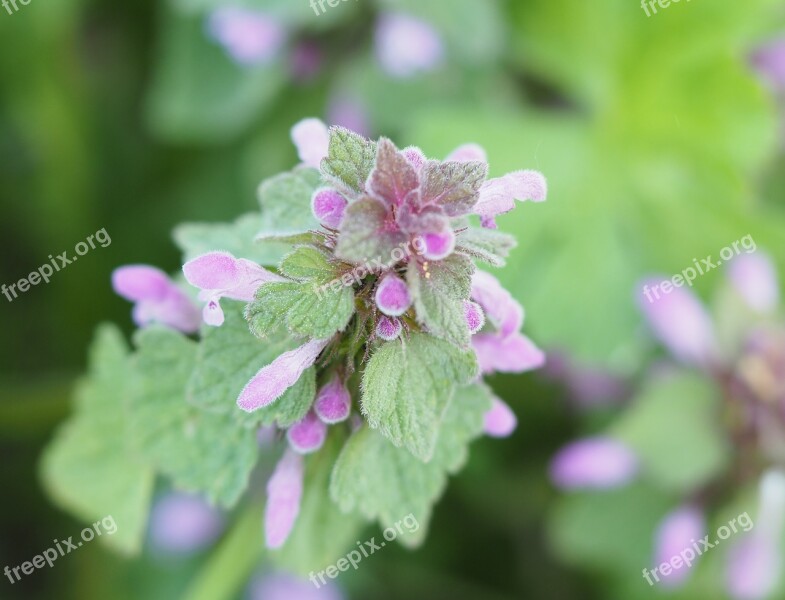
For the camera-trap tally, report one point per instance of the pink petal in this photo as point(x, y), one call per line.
point(392, 295)
point(333, 402)
point(500, 307)
point(249, 36)
point(308, 434)
point(312, 140)
point(415, 157)
point(512, 354)
point(388, 328)
point(593, 463)
point(406, 46)
point(498, 195)
point(328, 207)
point(439, 245)
point(754, 276)
point(182, 524)
point(680, 322)
point(500, 421)
point(273, 380)
point(753, 568)
point(140, 282)
point(284, 493)
point(213, 314)
point(475, 318)
point(213, 271)
point(677, 532)
point(468, 153)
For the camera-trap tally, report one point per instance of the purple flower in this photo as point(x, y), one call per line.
point(328, 206)
point(498, 195)
point(406, 46)
point(249, 36)
point(349, 112)
point(284, 493)
point(282, 586)
point(181, 524)
point(392, 295)
point(273, 380)
point(755, 278)
point(157, 299)
point(475, 317)
point(305, 60)
point(598, 463)
point(221, 275)
point(770, 62)
point(312, 140)
point(333, 402)
point(468, 153)
point(675, 533)
point(505, 349)
point(388, 328)
point(500, 421)
point(680, 322)
point(308, 434)
point(753, 568)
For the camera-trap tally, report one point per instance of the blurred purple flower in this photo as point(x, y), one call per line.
point(349, 112)
point(282, 586)
point(250, 37)
point(597, 462)
point(755, 278)
point(769, 61)
point(500, 421)
point(675, 533)
point(284, 492)
point(305, 61)
point(753, 568)
point(406, 46)
point(182, 524)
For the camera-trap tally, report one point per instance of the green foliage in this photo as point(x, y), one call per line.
point(674, 426)
point(92, 467)
point(309, 306)
point(349, 160)
point(454, 186)
point(201, 451)
point(407, 387)
point(439, 294)
point(489, 245)
point(364, 234)
point(387, 483)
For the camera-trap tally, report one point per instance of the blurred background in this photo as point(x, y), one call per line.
point(661, 134)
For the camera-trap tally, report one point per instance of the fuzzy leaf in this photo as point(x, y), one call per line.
point(286, 203)
point(439, 294)
point(349, 160)
point(91, 468)
point(393, 177)
point(308, 264)
point(488, 245)
point(228, 357)
point(201, 451)
point(387, 483)
point(454, 186)
point(306, 309)
point(407, 386)
point(368, 232)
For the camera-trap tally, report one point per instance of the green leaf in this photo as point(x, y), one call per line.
point(366, 234)
point(228, 357)
point(237, 238)
point(349, 161)
point(455, 186)
point(674, 428)
point(489, 245)
point(201, 451)
point(322, 533)
point(407, 386)
point(90, 467)
point(439, 294)
point(307, 309)
point(308, 264)
point(286, 203)
point(387, 483)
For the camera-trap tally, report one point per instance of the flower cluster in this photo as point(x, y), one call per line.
point(429, 307)
point(740, 353)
